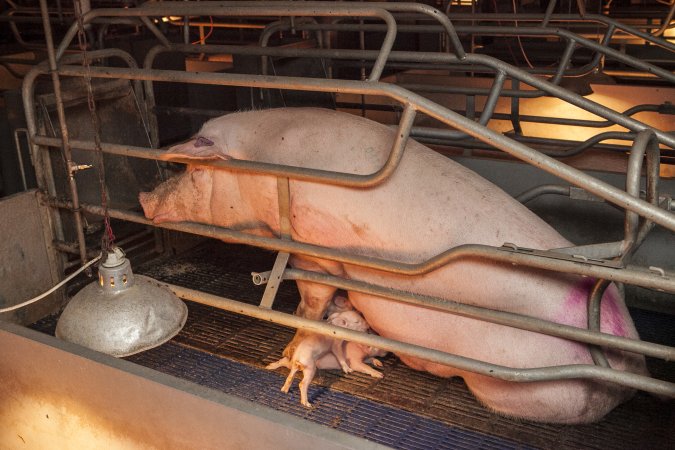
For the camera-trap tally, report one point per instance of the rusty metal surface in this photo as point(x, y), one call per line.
point(26, 265)
point(58, 395)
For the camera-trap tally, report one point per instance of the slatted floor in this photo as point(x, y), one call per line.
point(406, 409)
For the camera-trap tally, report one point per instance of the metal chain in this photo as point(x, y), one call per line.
point(108, 237)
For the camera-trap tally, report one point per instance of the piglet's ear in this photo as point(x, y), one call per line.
point(196, 148)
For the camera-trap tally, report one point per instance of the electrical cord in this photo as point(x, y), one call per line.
point(41, 296)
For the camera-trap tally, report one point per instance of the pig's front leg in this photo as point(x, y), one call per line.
point(338, 348)
point(315, 298)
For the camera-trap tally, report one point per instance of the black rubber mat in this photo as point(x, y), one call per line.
point(405, 409)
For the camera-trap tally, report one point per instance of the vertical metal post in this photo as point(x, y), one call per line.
point(547, 14)
point(67, 151)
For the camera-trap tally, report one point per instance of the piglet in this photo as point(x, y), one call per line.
point(356, 354)
point(338, 304)
point(313, 347)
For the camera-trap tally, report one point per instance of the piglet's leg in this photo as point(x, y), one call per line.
point(308, 373)
point(338, 349)
point(283, 362)
point(289, 379)
point(360, 366)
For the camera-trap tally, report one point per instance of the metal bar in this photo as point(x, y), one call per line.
point(571, 18)
point(459, 362)
point(564, 61)
point(663, 282)
point(543, 189)
point(64, 131)
point(505, 318)
point(666, 21)
point(493, 97)
point(520, 151)
point(518, 31)
point(274, 283)
point(19, 155)
point(547, 14)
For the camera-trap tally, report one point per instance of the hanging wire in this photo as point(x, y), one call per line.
point(202, 40)
point(58, 286)
point(108, 237)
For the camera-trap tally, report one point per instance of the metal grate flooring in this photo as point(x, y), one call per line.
point(406, 409)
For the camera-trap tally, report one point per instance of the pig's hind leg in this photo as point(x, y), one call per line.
point(289, 379)
point(283, 362)
point(308, 372)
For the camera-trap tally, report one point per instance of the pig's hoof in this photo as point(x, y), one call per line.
point(306, 404)
point(377, 363)
point(347, 369)
point(285, 389)
point(376, 374)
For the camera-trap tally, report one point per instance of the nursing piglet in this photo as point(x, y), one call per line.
point(312, 348)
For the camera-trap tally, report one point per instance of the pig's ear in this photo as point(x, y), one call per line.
point(338, 321)
point(197, 148)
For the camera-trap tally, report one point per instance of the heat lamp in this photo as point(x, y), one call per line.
point(121, 313)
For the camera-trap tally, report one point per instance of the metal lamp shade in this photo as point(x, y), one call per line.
point(122, 313)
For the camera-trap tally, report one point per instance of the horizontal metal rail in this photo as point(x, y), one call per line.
point(421, 104)
point(567, 18)
point(485, 314)
point(417, 57)
point(572, 40)
point(575, 371)
point(662, 281)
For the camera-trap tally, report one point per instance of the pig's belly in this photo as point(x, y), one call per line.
point(544, 295)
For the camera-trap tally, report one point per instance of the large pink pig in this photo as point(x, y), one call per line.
point(430, 204)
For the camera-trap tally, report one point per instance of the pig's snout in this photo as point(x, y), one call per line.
point(149, 204)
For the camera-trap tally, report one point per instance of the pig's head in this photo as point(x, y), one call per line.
point(185, 197)
point(349, 319)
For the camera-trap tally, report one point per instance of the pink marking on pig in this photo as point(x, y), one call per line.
point(203, 142)
point(575, 310)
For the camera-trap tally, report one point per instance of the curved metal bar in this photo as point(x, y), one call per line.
point(543, 189)
point(650, 280)
point(460, 362)
point(434, 57)
point(281, 25)
point(635, 233)
point(237, 9)
point(608, 21)
point(520, 151)
point(509, 319)
point(666, 21)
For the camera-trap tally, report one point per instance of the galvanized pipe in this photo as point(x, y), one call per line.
point(242, 9)
point(543, 189)
point(520, 151)
point(570, 18)
point(459, 362)
point(65, 144)
point(509, 319)
point(572, 39)
point(615, 118)
point(662, 282)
